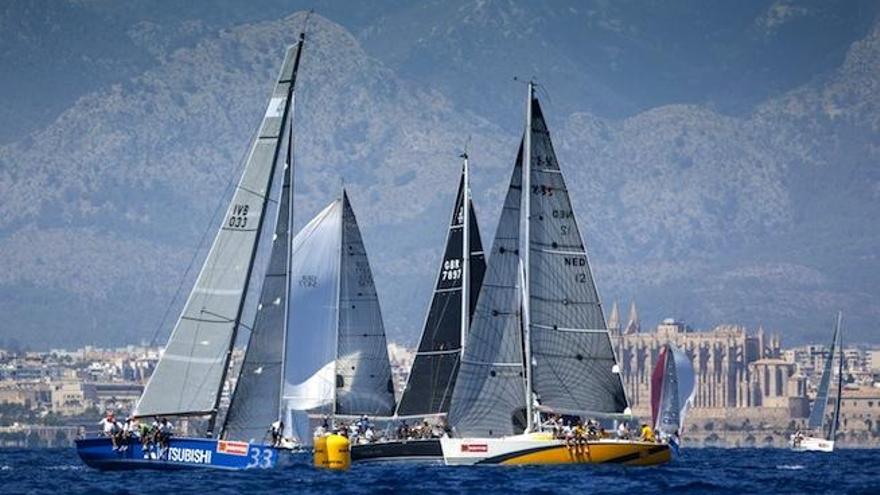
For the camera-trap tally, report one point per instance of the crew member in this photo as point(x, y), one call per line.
point(647, 433)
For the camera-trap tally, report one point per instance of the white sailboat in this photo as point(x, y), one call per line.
point(814, 440)
point(336, 358)
point(538, 345)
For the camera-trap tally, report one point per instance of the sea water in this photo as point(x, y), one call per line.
point(739, 471)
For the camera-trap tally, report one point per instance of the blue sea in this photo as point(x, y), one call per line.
point(739, 471)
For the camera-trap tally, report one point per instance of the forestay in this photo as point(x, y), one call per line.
point(434, 370)
point(190, 373)
point(363, 371)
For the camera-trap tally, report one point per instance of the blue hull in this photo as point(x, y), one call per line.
point(182, 453)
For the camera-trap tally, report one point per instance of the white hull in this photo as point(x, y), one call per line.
point(812, 444)
point(541, 448)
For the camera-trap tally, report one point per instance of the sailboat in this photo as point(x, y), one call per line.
point(673, 384)
point(337, 363)
point(538, 346)
point(817, 422)
point(190, 376)
point(435, 368)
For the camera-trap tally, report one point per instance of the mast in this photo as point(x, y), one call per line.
point(290, 178)
point(833, 431)
point(525, 246)
point(466, 254)
point(338, 296)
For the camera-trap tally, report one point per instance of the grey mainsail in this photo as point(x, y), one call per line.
point(310, 354)
point(434, 370)
point(363, 371)
point(573, 362)
point(489, 394)
point(190, 374)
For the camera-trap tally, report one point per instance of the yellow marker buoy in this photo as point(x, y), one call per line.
point(320, 455)
point(338, 452)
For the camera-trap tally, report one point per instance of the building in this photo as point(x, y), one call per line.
point(735, 370)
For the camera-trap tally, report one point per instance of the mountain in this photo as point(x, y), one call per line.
point(720, 160)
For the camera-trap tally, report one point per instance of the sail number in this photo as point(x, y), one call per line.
point(451, 270)
point(238, 218)
point(308, 281)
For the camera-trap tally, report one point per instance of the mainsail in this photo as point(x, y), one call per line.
point(363, 371)
point(433, 375)
point(190, 374)
point(672, 390)
point(573, 362)
point(256, 400)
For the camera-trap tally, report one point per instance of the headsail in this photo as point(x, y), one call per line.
point(190, 374)
point(363, 371)
point(573, 362)
point(432, 378)
point(489, 395)
point(310, 355)
point(817, 415)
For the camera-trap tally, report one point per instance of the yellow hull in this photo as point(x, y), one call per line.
point(631, 454)
point(543, 449)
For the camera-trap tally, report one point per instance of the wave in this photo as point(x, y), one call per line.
point(790, 467)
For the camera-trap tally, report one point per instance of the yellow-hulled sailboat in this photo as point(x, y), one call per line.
point(538, 346)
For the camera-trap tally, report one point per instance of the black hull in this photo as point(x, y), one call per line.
point(399, 451)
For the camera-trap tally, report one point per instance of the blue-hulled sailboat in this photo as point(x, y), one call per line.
point(191, 373)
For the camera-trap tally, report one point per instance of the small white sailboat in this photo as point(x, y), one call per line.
point(814, 440)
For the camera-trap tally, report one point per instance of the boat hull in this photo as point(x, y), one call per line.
point(419, 451)
point(523, 450)
point(182, 453)
point(812, 444)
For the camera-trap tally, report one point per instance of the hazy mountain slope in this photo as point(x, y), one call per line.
point(759, 212)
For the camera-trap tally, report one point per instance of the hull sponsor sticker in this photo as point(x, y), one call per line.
point(232, 448)
point(474, 447)
point(189, 455)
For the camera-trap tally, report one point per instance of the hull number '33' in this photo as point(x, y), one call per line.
point(260, 458)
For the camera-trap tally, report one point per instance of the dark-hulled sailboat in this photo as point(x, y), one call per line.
point(538, 345)
point(432, 378)
point(191, 373)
